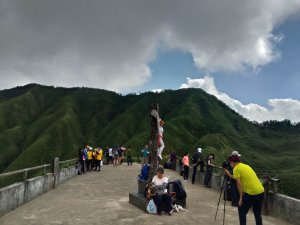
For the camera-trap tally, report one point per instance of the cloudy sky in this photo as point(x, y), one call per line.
point(243, 52)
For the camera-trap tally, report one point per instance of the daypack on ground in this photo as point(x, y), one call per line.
point(177, 187)
point(144, 172)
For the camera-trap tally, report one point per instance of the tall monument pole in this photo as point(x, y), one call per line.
point(153, 140)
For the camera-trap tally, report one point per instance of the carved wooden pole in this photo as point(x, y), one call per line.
point(153, 141)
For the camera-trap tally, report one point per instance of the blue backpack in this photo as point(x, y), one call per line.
point(144, 172)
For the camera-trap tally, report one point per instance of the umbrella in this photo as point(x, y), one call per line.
point(123, 149)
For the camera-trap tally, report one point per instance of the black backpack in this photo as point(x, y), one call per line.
point(177, 187)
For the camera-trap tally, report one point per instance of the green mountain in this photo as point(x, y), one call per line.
point(38, 123)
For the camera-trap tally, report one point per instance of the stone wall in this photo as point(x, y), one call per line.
point(20, 193)
point(284, 207)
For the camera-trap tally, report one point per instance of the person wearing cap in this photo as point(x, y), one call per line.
point(234, 191)
point(197, 159)
point(250, 189)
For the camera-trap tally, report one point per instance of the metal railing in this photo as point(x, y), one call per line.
point(44, 167)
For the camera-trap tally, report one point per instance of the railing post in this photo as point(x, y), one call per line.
point(55, 171)
point(266, 197)
point(25, 175)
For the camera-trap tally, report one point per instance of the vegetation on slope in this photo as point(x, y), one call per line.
point(38, 123)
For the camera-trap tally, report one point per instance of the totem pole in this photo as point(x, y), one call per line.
point(153, 140)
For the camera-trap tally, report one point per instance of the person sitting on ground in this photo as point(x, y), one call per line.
point(162, 199)
point(186, 167)
point(250, 189)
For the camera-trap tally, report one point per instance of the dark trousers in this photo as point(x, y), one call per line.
point(97, 165)
point(194, 173)
point(208, 176)
point(254, 201)
point(185, 172)
point(88, 164)
point(82, 165)
point(129, 160)
point(163, 203)
point(173, 164)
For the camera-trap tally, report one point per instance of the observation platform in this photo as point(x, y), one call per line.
point(102, 198)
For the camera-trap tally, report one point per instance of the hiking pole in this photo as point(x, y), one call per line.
point(220, 198)
point(225, 197)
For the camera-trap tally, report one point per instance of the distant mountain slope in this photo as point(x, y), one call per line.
point(38, 123)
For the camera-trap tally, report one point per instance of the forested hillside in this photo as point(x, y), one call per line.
point(38, 123)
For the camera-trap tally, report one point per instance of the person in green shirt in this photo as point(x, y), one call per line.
point(128, 155)
point(250, 189)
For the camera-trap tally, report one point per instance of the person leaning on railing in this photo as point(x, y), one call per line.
point(250, 189)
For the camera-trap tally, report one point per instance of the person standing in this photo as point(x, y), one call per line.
point(250, 189)
point(98, 157)
point(173, 159)
point(209, 170)
point(89, 159)
point(116, 156)
point(81, 159)
point(197, 159)
point(145, 156)
point(186, 167)
point(128, 156)
point(110, 155)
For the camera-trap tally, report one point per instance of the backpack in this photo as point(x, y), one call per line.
point(178, 188)
point(144, 172)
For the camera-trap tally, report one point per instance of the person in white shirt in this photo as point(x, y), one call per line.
point(160, 142)
point(162, 199)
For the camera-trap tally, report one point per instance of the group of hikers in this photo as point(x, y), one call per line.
point(90, 158)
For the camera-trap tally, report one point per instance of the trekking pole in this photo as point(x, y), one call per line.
point(220, 198)
point(225, 197)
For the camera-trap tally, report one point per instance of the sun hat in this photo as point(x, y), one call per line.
point(199, 149)
point(236, 153)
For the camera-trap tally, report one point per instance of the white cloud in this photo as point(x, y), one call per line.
point(157, 90)
point(109, 44)
point(279, 109)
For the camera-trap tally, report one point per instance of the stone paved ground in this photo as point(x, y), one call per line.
point(102, 198)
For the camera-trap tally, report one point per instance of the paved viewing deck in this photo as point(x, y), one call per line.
point(102, 198)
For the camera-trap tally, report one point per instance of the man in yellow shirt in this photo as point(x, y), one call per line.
point(250, 189)
point(99, 154)
point(89, 159)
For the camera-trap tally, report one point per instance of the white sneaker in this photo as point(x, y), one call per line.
point(159, 157)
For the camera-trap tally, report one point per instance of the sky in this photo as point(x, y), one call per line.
point(243, 52)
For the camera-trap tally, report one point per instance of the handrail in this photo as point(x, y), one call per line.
point(67, 161)
point(24, 170)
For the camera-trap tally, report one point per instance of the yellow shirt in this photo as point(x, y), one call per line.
point(90, 155)
point(99, 155)
point(249, 180)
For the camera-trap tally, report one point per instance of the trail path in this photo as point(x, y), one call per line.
point(102, 198)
